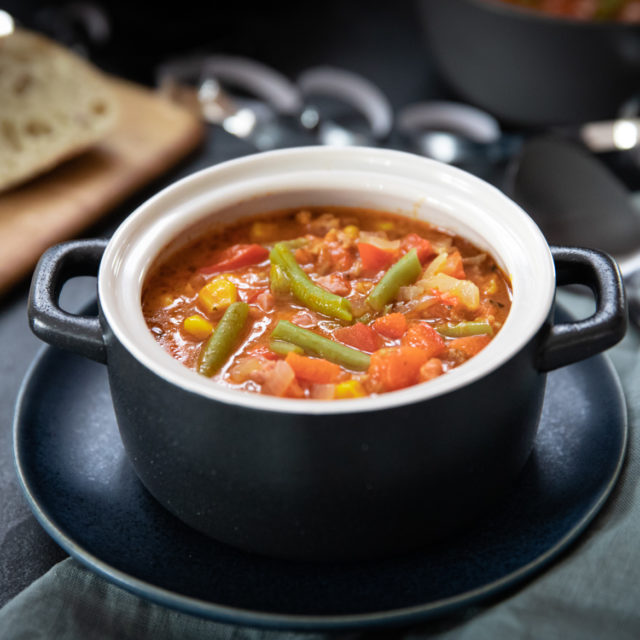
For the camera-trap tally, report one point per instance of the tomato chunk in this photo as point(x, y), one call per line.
point(374, 258)
point(392, 325)
point(397, 367)
point(421, 245)
point(453, 266)
point(237, 256)
point(359, 336)
point(426, 338)
point(470, 345)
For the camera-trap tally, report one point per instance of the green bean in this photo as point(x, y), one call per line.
point(278, 281)
point(402, 273)
point(463, 329)
point(282, 347)
point(306, 291)
point(317, 345)
point(222, 341)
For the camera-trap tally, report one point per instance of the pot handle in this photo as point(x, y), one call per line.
point(569, 342)
point(81, 334)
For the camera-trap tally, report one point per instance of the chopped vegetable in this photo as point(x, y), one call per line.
point(315, 344)
point(316, 370)
point(322, 391)
point(426, 338)
point(223, 340)
point(393, 325)
point(282, 347)
point(470, 345)
point(279, 380)
point(453, 266)
point(349, 389)
point(263, 231)
point(197, 326)
point(217, 295)
point(423, 247)
point(307, 292)
point(336, 283)
point(248, 368)
point(278, 281)
point(380, 240)
point(435, 265)
point(385, 225)
point(360, 336)
point(402, 273)
point(237, 256)
point(462, 329)
point(464, 291)
point(374, 258)
point(431, 369)
point(265, 300)
point(491, 287)
point(397, 367)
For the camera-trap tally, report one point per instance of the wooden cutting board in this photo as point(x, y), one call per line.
point(152, 135)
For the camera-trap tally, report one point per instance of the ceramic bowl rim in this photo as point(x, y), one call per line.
point(129, 253)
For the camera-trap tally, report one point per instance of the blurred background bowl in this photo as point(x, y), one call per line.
point(529, 68)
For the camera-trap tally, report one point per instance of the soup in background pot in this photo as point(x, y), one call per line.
point(325, 303)
point(622, 10)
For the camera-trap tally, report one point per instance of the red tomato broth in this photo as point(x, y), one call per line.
point(328, 253)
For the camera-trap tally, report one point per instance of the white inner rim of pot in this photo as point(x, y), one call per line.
point(316, 176)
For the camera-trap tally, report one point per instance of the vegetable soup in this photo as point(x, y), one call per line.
point(325, 303)
point(622, 10)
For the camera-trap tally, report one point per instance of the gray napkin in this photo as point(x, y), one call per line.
point(592, 591)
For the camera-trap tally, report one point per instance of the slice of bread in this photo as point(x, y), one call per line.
point(53, 105)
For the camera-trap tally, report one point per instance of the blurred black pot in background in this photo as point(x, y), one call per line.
point(528, 68)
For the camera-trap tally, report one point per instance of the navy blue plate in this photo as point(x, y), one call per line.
point(84, 492)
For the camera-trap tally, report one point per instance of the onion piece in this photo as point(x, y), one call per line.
point(479, 259)
point(379, 240)
point(435, 265)
point(465, 291)
point(323, 391)
point(279, 379)
point(245, 368)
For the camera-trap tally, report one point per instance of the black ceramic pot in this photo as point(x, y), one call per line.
point(329, 479)
point(529, 68)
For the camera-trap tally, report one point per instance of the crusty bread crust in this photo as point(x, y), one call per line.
point(53, 105)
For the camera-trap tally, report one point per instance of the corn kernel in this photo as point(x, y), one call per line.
point(217, 295)
point(349, 389)
point(351, 230)
point(197, 326)
point(384, 225)
point(263, 231)
point(492, 287)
